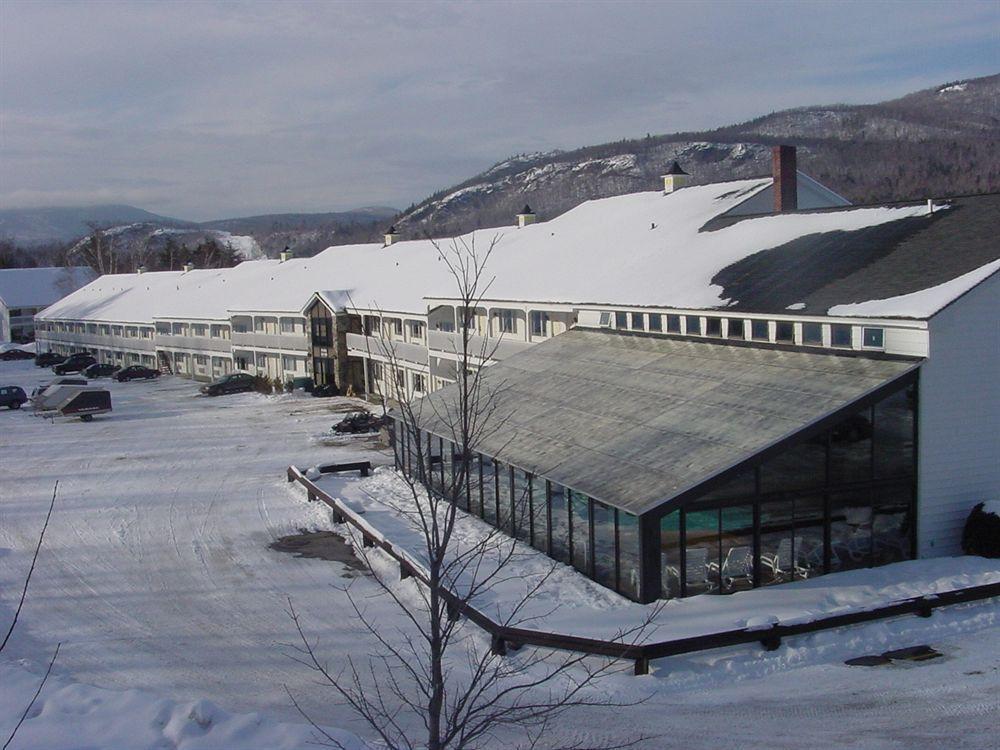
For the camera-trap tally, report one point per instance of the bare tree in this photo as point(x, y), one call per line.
point(432, 671)
point(17, 614)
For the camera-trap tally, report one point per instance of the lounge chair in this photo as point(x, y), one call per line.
point(781, 563)
point(737, 567)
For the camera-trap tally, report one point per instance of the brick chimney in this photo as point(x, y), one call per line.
point(786, 197)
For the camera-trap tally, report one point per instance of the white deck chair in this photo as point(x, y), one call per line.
point(781, 564)
point(738, 566)
point(697, 569)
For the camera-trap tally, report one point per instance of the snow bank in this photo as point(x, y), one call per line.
point(69, 716)
point(570, 603)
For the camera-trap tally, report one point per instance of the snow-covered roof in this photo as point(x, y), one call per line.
point(646, 249)
point(34, 287)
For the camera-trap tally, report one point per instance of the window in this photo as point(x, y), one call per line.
point(673, 324)
point(161, 328)
point(713, 327)
point(505, 321)
point(400, 377)
point(760, 330)
point(289, 363)
point(605, 559)
point(655, 322)
point(580, 531)
point(559, 513)
point(812, 334)
point(396, 327)
point(539, 323)
point(693, 323)
point(873, 338)
point(736, 329)
point(419, 383)
point(289, 325)
point(258, 325)
point(321, 335)
point(605, 320)
point(638, 322)
point(784, 332)
point(416, 330)
point(621, 320)
point(199, 329)
point(840, 335)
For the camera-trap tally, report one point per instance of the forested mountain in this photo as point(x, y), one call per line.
point(936, 142)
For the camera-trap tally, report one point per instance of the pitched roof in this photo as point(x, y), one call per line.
point(34, 287)
point(634, 421)
point(875, 270)
point(641, 249)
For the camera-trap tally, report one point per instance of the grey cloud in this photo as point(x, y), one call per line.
point(203, 110)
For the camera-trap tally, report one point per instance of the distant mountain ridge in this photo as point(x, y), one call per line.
point(307, 233)
point(939, 141)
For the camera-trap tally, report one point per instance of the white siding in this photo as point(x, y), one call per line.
point(959, 460)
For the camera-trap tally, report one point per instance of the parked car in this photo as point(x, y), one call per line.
point(101, 370)
point(135, 372)
point(359, 422)
point(47, 359)
point(13, 354)
point(326, 390)
point(12, 396)
point(237, 382)
point(76, 363)
point(58, 381)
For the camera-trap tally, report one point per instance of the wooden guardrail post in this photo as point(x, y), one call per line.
point(404, 571)
point(642, 665)
point(924, 607)
point(498, 645)
point(453, 611)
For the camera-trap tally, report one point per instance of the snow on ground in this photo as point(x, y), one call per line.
point(157, 579)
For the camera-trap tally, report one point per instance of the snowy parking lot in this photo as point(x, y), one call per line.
point(157, 575)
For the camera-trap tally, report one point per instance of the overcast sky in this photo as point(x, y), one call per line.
point(206, 110)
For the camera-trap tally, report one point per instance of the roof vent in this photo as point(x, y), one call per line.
point(786, 192)
point(285, 254)
point(391, 236)
point(675, 178)
point(527, 216)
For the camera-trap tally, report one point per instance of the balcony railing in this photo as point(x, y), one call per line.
point(360, 345)
point(195, 343)
point(447, 343)
point(109, 341)
point(297, 342)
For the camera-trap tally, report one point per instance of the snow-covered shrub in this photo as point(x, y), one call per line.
point(981, 535)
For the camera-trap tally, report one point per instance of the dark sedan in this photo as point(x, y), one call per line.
point(101, 370)
point(238, 382)
point(47, 359)
point(76, 363)
point(135, 372)
point(13, 354)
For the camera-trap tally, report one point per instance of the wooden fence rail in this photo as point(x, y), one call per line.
point(504, 637)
